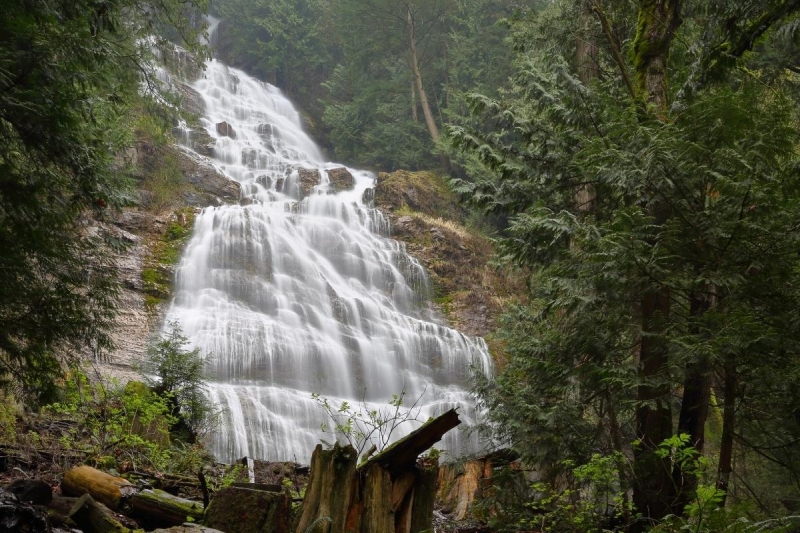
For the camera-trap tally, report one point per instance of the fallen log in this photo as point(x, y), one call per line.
point(104, 488)
point(402, 455)
point(158, 508)
point(95, 517)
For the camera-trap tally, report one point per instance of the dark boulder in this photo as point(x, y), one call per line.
point(18, 516)
point(33, 491)
point(226, 130)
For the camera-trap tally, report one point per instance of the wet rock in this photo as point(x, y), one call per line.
point(307, 180)
point(191, 100)
point(369, 196)
point(19, 516)
point(33, 491)
point(226, 130)
point(207, 179)
point(341, 179)
point(240, 510)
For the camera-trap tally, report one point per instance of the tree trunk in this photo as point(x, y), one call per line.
point(654, 492)
point(162, 509)
point(728, 424)
point(415, 70)
point(694, 408)
point(329, 492)
point(414, 115)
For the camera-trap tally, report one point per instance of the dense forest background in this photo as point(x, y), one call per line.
point(639, 160)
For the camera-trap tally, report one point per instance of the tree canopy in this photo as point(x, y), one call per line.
point(649, 175)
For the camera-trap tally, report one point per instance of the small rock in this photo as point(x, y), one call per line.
point(307, 180)
point(341, 179)
point(405, 220)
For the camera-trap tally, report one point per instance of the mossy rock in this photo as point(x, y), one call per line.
point(240, 510)
point(423, 192)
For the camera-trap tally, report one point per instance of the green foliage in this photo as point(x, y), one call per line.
point(331, 57)
point(70, 72)
point(124, 427)
point(365, 426)
point(177, 374)
point(609, 200)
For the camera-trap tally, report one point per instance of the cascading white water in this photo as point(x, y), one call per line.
point(292, 297)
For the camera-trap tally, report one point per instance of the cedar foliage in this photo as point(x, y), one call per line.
point(693, 200)
point(70, 74)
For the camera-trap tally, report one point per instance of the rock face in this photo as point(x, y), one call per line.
point(463, 485)
point(226, 130)
point(426, 215)
point(341, 179)
point(191, 100)
point(207, 180)
point(240, 510)
point(307, 180)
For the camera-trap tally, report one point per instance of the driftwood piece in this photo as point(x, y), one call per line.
point(402, 455)
point(159, 508)
point(106, 489)
point(94, 517)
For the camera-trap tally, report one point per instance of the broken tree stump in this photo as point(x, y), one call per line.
point(104, 488)
point(403, 454)
point(329, 491)
point(389, 493)
point(92, 516)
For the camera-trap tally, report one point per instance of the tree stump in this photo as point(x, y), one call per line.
point(390, 493)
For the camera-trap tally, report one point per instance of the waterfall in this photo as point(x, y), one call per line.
point(299, 290)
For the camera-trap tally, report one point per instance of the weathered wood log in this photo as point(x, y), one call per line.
point(94, 517)
point(330, 490)
point(104, 488)
point(159, 508)
point(402, 455)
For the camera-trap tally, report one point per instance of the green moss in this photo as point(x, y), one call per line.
point(165, 253)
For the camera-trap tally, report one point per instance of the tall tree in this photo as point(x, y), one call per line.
point(69, 71)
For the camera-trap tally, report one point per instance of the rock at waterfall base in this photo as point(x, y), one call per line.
point(241, 510)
